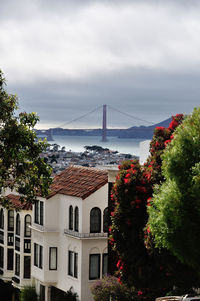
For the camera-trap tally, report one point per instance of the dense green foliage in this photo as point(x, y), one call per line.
point(21, 167)
point(151, 271)
point(28, 293)
point(175, 214)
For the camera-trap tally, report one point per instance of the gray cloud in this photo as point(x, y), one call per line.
point(64, 58)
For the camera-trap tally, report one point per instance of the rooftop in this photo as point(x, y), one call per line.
point(78, 181)
point(16, 203)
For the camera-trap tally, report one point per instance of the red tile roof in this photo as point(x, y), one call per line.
point(78, 181)
point(15, 202)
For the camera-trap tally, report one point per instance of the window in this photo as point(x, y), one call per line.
point(10, 256)
point(105, 264)
point(17, 264)
point(10, 239)
point(41, 257)
point(18, 224)
point(70, 263)
point(10, 220)
point(94, 268)
point(1, 219)
point(105, 220)
point(27, 223)
point(27, 267)
point(1, 237)
point(27, 246)
point(38, 256)
point(70, 218)
point(73, 264)
point(39, 212)
point(76, 219)
point(95, 220)
point(76, 265)
point(1, 257)
point(52, 258)
point(17, 243)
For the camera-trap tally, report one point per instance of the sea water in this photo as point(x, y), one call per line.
point(77, 143)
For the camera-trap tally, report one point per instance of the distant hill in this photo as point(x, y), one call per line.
point(143, 131)
point(137, 132)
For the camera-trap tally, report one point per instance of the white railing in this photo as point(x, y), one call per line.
point(85, 235)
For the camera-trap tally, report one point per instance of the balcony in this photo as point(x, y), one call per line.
point(43, 229)
point(79, 235)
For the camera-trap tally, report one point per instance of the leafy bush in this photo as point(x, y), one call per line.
point(28, 294)
point(67, 296)
point(109, 288)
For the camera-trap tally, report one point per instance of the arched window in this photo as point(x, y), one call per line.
point(18, 224)
point(76, 219)
point(70, 218)
point(105, 220)
point(10, 220)
point(1, 219)
point(27, 223)
point(95, 220)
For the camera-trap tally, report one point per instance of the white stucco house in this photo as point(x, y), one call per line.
point(69, 233)
point(59, 243)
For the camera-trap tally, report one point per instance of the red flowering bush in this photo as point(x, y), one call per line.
point(139, 264)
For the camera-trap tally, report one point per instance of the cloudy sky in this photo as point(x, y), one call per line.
point(65, 58)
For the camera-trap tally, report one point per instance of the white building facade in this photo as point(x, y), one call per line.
point(15, 242)
point(69, 233)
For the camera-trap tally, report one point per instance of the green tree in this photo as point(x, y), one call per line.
point(175, 212)
point(21, 167)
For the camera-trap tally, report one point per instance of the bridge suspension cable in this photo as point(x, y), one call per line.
point(80, 117)
point(129, 115)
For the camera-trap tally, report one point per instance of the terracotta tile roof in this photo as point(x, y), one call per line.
point(78, 181)
point(16, 203)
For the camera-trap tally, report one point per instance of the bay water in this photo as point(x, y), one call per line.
point(77, 143)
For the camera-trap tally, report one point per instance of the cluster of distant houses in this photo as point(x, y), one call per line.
point(93, 156)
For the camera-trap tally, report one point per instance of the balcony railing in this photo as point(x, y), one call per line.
point(85, 235)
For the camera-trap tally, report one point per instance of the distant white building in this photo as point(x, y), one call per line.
point(144, 151)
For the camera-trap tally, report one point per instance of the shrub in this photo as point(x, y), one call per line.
point(109, 288)
point(28, 294)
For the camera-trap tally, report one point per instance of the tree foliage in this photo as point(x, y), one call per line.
point(21, 167)
point(175, 214)
point(139, 264)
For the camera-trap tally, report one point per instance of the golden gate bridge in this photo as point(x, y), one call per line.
point(104, 120)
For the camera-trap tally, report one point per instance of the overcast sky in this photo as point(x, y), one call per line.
point(65, 58)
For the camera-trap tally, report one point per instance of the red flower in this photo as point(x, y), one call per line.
point(149, 201)
point(167, 141)
point(118, 263)
point(160, 128)
point(128, 175)
point(126, 181)
point(148, 230)
point(140, 293)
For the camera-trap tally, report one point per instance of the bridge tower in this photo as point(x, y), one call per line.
point(104, 128)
